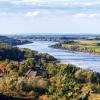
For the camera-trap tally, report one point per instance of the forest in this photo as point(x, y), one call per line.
point(29, 75)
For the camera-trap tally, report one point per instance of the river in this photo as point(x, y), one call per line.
point(83, 60)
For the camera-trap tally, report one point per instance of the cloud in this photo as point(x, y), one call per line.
point(30, 14)
point(34, 7)
point(93, 15)
point(86, 15)
point(28, 1)
point(80, 15)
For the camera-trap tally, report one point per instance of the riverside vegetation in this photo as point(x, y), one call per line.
point(26, 74)
point(91, 46)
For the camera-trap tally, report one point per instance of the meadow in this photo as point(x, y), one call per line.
point(91, 46)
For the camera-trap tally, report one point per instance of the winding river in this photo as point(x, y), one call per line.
point(84, 60)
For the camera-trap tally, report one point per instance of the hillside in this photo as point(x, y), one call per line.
point(28, 75)
point(10, 41)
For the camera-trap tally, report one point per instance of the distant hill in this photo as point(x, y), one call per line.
point(10, 41)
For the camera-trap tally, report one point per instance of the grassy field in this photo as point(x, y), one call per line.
point(95, 48)
point(92, 46)
point(88, 42)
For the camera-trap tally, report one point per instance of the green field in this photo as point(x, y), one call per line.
point(95, 48)
point(92, 46)
point(88, 42)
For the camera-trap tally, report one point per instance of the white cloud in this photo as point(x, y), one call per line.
point(65, 2)
point(82, 4)
point(30, 14)
point(81, 15)
point(33, 7)
point(27, 1)
point(86, 15)
point(93, 15)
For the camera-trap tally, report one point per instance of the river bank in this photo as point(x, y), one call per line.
point(79, 59)
point(86, 46)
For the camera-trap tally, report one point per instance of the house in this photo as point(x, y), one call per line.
point(31, 73)
point(3, 72)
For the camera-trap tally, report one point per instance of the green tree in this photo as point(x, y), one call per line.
point(30, 62)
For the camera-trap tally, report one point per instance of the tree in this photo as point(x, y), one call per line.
point(29, 54)
point(21, 70)
point(30, 62)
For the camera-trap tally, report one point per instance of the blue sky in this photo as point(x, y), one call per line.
point(49, 16)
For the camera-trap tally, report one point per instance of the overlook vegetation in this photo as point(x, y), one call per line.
point(28, 75)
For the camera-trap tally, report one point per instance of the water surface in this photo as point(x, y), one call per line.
point(84, 60)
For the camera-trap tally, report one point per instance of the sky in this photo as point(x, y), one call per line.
point(49, 16)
